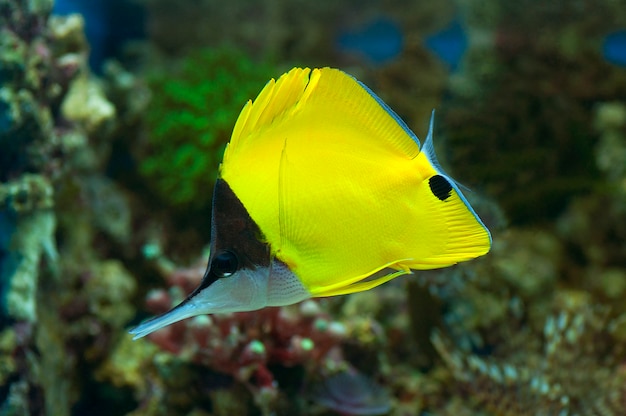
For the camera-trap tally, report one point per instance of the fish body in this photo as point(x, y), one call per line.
point(325, 191)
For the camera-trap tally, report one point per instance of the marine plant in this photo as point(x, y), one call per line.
point(189, 120)
point(267, 352)
point(572, 367)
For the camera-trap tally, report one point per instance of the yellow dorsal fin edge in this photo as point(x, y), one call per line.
point(291, 92)
point(276, 98)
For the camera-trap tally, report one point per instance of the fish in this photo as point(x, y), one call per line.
point(323, 191)
point(351, 393)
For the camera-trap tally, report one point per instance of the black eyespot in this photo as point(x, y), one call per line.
point(440, 187)
point(224, 264)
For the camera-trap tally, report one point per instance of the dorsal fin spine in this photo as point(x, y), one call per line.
point(429, 149)
point(429, 146)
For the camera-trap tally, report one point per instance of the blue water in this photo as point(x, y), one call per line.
point(449, 44)
point(382, 40)
point(6, 118)
point(379, 42)
point(614, 48)
point(108, 25)
point(8, 260)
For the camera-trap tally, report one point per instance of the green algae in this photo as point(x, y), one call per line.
point(190, 118)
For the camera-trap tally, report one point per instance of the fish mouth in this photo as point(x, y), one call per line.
point(241, 292)
point(184, 310)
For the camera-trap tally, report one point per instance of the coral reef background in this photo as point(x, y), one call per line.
point(113, 119)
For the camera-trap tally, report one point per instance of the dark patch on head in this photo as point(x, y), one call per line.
point(440, 187)
point(234, 238)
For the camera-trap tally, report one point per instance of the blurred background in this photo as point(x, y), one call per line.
point(114, 116)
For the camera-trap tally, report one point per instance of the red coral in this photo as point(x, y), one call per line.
point(244, 344)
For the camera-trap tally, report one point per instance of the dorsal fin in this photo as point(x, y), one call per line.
point(331, 89)
point(429, 146)
point(276, 98)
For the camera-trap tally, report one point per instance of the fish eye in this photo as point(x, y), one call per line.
point(224, 264)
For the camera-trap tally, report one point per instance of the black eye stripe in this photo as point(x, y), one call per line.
point(224, 264)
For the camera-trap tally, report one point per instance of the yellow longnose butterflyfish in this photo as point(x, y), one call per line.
point(323, 191)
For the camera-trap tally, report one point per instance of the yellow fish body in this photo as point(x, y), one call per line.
point(324, 191)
